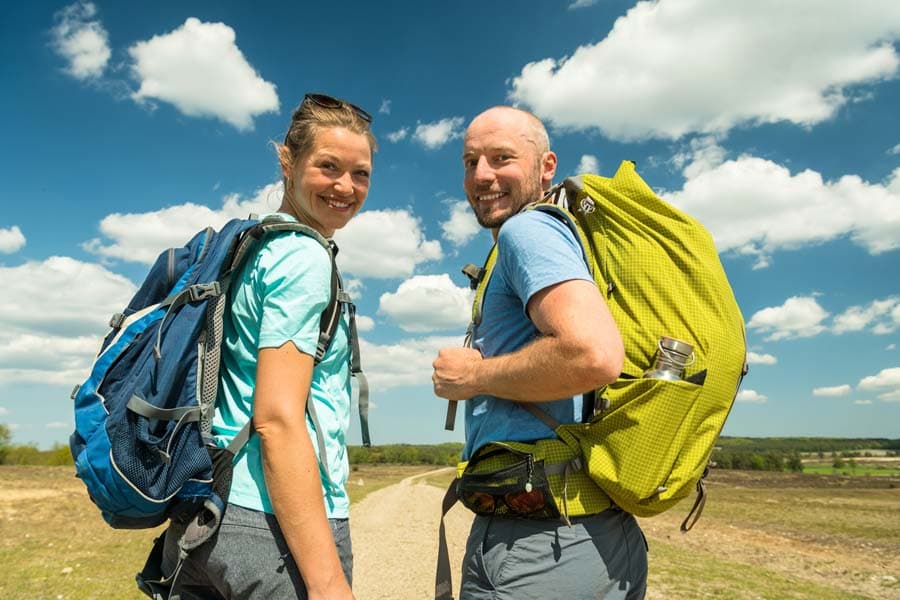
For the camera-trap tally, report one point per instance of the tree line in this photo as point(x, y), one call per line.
point(759, 454)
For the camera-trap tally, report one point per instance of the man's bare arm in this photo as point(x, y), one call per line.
point(579, 349)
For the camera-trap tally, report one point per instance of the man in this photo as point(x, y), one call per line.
point(546, 337)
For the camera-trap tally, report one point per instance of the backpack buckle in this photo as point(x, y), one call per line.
point(474, 273)
point(202, 291)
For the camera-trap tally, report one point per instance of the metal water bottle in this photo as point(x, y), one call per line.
point(672, 356)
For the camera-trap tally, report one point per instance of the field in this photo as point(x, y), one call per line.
point(54, 544)
point(762, 536)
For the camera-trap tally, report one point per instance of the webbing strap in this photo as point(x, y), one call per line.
point(541, 414)
point(356, 371)
point(697, 508)
point(443, 580)
point(187, 414)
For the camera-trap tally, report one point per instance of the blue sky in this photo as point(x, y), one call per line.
point(128, 126)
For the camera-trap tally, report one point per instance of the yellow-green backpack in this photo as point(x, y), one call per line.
point(648, 444)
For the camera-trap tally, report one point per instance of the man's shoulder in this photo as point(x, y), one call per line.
point(530, 226)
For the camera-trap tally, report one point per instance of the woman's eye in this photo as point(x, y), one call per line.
point(362, 173)
point(329, 165)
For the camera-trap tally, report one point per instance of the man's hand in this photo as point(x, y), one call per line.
point(455, 373)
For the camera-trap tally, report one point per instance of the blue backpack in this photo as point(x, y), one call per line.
point(142, 442)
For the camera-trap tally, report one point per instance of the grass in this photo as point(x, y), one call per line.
point(762, 536)
point(778, 536)
point(865, 471)
point(54, 544)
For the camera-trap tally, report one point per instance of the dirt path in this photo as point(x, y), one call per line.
point(395, 532)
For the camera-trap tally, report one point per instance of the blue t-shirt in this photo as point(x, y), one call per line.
point(277, 297)
point(534, 251)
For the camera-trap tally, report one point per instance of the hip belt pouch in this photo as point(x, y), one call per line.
point(517, 490)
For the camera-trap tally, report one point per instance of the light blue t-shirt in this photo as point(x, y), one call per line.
point(534, 251)
point(277, 297)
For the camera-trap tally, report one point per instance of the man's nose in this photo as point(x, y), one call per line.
point(483, 171)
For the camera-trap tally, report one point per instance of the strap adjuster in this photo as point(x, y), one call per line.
point(202, 291)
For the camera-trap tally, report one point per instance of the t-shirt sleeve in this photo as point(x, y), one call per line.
point(295, 282)
point(535, 251)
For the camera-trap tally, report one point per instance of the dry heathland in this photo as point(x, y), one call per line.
point(762, 536)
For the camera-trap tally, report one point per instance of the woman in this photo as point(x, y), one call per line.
point(285, 532)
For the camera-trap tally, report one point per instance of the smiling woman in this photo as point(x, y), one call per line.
point(285, 532)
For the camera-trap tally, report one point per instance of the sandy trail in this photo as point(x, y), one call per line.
point(395, 540)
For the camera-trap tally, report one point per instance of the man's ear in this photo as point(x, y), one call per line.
point(548, 168)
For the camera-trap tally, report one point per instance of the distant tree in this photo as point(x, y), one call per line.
point(758, 462)
point(795, 463)
point(60, 455)
point(838, 463)
point(852, 464)
point(773, 461)
point(5, 439)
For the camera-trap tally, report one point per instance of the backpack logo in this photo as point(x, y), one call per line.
point(587, 205)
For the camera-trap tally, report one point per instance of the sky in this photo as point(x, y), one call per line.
point(126, 127)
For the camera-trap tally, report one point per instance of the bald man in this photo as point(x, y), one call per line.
point(546, 337)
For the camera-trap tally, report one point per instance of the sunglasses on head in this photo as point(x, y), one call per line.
point(326, 101)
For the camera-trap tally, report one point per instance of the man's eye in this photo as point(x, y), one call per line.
point(362, 173)
point(470, 163)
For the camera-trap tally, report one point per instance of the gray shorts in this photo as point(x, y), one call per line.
point(248, 558)
point(601, 556)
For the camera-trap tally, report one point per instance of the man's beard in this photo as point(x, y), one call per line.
point(530, 192)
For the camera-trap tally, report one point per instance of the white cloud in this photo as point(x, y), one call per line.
point(81, 40)
point(384, 244)
point(895, 150)
point(200, 70)
point(588, 164)
point(893, 396)
point(396, 136)
point(63, 297)
point(862, 402)
point(408, 362)
point(364, 323)
point(140, 237)
point(891, 347)
point(428, 303)
point(385, 108)
point(3, 411)
point(751, 396)
point(798, 317)
point(575, 6)
point(708, 66)
point(59, 425)
point(833, 391)
point(436, 134)
point(882, 315)
point(55, 335)
point(754, 207)
point(354, 287)
point(462, 225)
point(11, 240)
point(887, 382)
point(761, 359)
